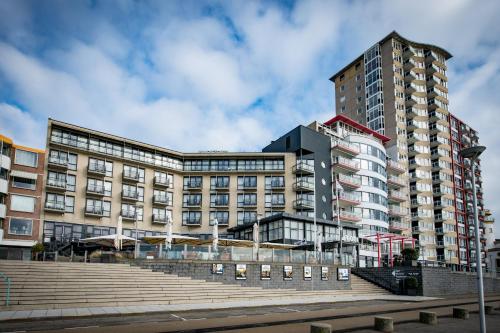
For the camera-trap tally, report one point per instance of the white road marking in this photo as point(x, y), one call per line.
point(78, 327)
point(178, 317)
point(292, 310)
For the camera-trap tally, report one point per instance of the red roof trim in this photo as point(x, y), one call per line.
point(358, 126)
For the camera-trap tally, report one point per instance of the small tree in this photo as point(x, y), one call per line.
point(37, 248)
point(409, 254)
point(411, 282)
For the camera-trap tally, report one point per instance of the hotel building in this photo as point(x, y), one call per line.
point(21, 175)
point(398, 88)
point(91, 178)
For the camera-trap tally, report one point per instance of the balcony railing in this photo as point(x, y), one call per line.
point(94, 211)
point(275, 203)
point(159, 218)
point(395, 180)
point(345, 147)
point(397, 211)
point(192, 221)
point(347, 216)
point(397, 195)
point(97, 169)
point(58, 162)
point(348, 197)
point(128, 214)
point(349, 181)
point(303, 168)
point(193, 185)
point(162, 181)
point(276, 185)
point(303, 185)
point(56, 183)
point(95, 189)
point(55, 206)
point(131, 175)
point(247, 220)
point(219, 203)
point(342, 162)
point(192, 203)
point(303, 204)
point(395, 166)
point(161, 199)
point(131, 195)
point(247, 203)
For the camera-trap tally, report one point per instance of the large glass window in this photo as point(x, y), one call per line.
point(245, 217)
point(27, 158)
point(191, 200)
point(221, 216)
point(219, 182)
point(275, 199)
point(193, 182)
point(191, 218)
point(134, 173)
point(247, 182)
point(247, 199)
point(217, 200)
point(29, 184)
point(21, 203)
point(275, 182)
point(18, 226)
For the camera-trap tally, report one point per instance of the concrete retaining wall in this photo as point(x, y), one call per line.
point(203, 270)
point(443, 282)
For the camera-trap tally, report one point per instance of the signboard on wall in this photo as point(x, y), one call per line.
point(342, 274)
point(324, 273)
point(307, 273)
point(287, 273)
point(241, 271)
point(217, 269)
point(265, 272)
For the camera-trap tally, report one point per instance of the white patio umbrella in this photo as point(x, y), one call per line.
point(168, 239)
point(176, 239)
point(215, 235)
point(109, 240)
point(118, 239)
point(256, 238)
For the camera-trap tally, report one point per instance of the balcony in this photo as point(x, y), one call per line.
point(275, 204)
point(247, 186)
point(161, 200)
point(55, 184)
point(3, 211)
point(351, 182)
point(96, 169)
point(218, 203)
point(162, 182)
point(395, 182)
point(160, 219)
point(397, 196)
point(302, 168)
point(395, 167)
point(132, 176)
point(303, 186)
point(345, 148)
point(95, 189)
point(302, 203)
point(276, 185)
point(342, 164)
point(94, 211)
point(247, 204)
point(130, 195)
point(398, 226)
point(53, 206)
point(5, 162)
point(192, 203)
point(193, 185)
point(129, 215)
point(193, 221)
point(220, 186)
point(58, 163)
point(346, 216)
point(397, 211)
point(347, 199)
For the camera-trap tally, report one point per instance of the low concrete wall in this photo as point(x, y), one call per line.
point(442, 282)
point(433, 281)
point(203, 270)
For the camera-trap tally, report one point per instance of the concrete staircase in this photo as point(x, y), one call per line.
point(57, 285)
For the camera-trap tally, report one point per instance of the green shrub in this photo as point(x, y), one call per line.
point(411, 282)
point(409, 255)
point(37, 248)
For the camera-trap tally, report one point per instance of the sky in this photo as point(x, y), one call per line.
point(227, 75)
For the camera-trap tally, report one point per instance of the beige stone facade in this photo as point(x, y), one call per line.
point(111, 172)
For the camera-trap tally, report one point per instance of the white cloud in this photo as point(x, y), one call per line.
point(21, 126)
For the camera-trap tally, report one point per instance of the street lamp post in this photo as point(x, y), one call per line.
point(473, 153)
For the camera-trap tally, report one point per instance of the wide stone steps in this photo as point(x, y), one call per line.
point(38, 285)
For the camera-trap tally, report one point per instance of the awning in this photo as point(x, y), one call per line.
point(24, 174)
point(109, 240)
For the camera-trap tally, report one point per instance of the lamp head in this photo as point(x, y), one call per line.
point(472, 152)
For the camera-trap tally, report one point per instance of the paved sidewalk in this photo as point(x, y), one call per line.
point(132, 310)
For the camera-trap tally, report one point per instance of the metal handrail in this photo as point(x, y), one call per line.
point(7, 282)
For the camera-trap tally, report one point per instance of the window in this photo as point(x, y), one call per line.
point(134, 173)
point(217, 200)
point(193, 182)
point(275, 199)
point(98, 207)
point(27, 158)
point(247, 182)
point(69, 204)
point(22, 203)
point(132, 212)
point(29, 184)
point(191, 200)
point(221, 216)
point(70, 183)
point(245, 200)
point(101, 166)
point(19, 226)
point(275, 182)
point(219, 182)
point(161, 215)
point(191, 218)
point(247, 217)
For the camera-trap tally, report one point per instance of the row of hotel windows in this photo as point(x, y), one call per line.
point(243, 182)
point(137, 154)
point(244, 199)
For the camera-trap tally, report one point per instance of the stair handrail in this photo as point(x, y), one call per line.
point(7, 282)
point(381, 281)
